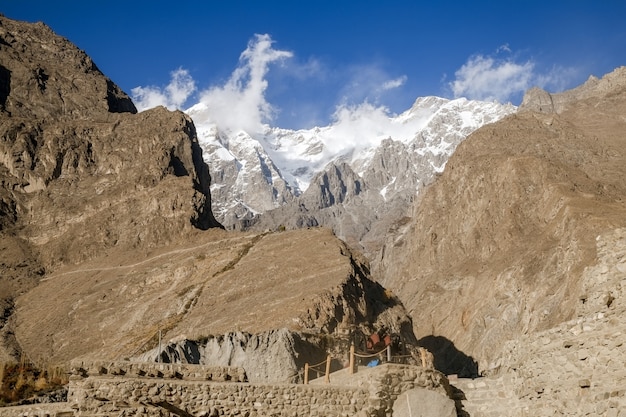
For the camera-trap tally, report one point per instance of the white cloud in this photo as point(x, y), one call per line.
point(391, 84)
point(487, 78)
point(557, 79)
point(503, 48)
point(173, 96)
point(361, 126)
point(491, 78)
point(368, 83)
point(241, 103)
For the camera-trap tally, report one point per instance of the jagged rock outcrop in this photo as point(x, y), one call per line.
point(498, 245)
point(80, 171)
point(44, 76)
point(271, 356)
point(320, 317)
point(246, 180)
point(541, 101)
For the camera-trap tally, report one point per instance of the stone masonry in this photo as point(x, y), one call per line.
point(144, 389)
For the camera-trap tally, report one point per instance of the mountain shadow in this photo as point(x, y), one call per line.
point(448, 359)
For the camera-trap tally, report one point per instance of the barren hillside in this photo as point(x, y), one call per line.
point(497, 246)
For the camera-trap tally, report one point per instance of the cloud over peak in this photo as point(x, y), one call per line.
point(241, 103)
point(488, 78)
point(173, 97)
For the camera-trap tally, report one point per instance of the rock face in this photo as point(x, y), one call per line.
point(573, 368)
point(499, 244)
point(274, 355)
point(44, 76)
point(420, 402)
point(80, 171)
point(246, 180)
point(541, 101)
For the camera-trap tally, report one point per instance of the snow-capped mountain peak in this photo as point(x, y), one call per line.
point(255, 172)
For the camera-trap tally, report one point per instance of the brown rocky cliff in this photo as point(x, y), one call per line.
point(498, 244)
point(44, 76)
point(80, 171)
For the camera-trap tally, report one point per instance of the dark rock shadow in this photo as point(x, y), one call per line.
point(5, 86)
point(458, 396)
point(172, 409)
point(448, 359)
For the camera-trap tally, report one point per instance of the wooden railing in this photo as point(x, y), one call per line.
point(308, 367)
point(384, 354)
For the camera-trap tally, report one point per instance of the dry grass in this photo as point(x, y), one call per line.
point(24, 380)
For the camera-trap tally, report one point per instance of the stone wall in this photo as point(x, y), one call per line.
point(390, 380)
point(38, 410)
point(149, 389)
point(575, 369)
point(112, 395)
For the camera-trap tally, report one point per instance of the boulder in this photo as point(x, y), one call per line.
point(420, 402)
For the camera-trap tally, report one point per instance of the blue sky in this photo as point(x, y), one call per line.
point(313, 57)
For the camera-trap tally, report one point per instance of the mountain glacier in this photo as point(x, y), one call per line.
point(345, 175)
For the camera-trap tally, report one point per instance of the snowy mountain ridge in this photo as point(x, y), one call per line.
point(256, 172)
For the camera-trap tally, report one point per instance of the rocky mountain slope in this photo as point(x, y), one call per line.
point(217, 286)
point(498, 246)
point(74, 155)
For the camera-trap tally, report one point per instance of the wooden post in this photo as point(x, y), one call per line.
point(306, 373)
point(159, 352)
point(328, 369)
point(352, 370)
point(388, 353)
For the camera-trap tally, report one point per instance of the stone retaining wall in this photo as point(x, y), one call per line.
point(113, 395)
point(38, 410)
point(575, 369)
point(144, 389)
point(390, 380)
